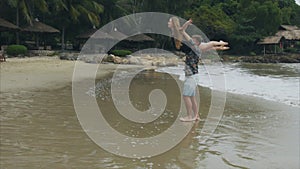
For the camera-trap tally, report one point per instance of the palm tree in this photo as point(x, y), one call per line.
point(67, 12)
point(26, 8)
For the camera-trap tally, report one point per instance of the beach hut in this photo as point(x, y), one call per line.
point(95, 34)
point(136, 42)
point(286, 37)
point(290, 33)
point(39, 28)
point(272, 42)
point(6, 26)
point(139, 38)
point(96, 37)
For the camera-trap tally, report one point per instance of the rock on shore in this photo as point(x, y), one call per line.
point(147, 60)
point(282, 58)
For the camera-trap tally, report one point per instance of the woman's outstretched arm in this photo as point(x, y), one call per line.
point(183, 28)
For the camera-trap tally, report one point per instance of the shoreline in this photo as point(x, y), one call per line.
point(36, 73)
point(50, 73)
point(42, 73)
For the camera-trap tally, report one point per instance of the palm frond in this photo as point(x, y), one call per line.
point(74, 13)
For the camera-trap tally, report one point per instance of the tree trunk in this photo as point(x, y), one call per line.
point(37, 41)
point(17, 32)
point(63, 38)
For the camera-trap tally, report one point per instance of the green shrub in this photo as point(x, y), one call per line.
point(16, 50)
point(121, 53)
point(290, 50)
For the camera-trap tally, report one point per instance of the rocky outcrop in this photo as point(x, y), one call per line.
point(146, 60)
point(283, 58)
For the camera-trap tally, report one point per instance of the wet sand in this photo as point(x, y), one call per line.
point(40, 129)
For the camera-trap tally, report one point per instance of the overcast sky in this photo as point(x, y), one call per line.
point(297, 2)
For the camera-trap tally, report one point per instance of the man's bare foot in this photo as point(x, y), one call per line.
point(186, 119)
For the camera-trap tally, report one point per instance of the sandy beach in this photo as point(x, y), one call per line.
point(41, 73)
point(35, 73)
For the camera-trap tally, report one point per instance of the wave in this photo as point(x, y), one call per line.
point(280, 86)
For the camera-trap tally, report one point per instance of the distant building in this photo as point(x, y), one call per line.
point(286, 37)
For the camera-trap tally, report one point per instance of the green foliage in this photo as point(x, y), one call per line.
point(240, 22)
point(295, 15)
point(26, 7)
point(16, 50)
point(211, 20)
point(252, 54)
point(121, 53)
point(291, 50)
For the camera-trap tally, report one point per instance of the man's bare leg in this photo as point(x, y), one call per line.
point(195, 108)
point(189, 109)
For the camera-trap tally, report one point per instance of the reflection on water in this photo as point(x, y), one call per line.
point(40, 129)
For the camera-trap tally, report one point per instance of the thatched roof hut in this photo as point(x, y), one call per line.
point(5, 25)
point(40, 27)
point(290, 35)
point(289, 32)
point(96, 36)
point(288, 27)
point(285, 37)
point(94, 33)
point(270, 40)
point(117, 35)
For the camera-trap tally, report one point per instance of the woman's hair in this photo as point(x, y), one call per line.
point(175, 30)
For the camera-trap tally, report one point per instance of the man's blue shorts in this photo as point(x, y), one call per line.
point(190, 84)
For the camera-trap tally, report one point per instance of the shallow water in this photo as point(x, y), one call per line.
point(275, 82)
point(40, 129)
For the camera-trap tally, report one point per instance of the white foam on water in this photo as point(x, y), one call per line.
point(279, 88)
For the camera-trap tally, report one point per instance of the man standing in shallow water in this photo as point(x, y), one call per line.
point(193, 49)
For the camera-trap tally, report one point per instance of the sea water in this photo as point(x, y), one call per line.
point(275, 82)
point(40, 129)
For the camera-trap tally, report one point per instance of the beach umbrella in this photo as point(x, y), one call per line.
point(139, 38)
point(6, 26)
point(97, 37)
point(38, 27)
point(117, 35)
